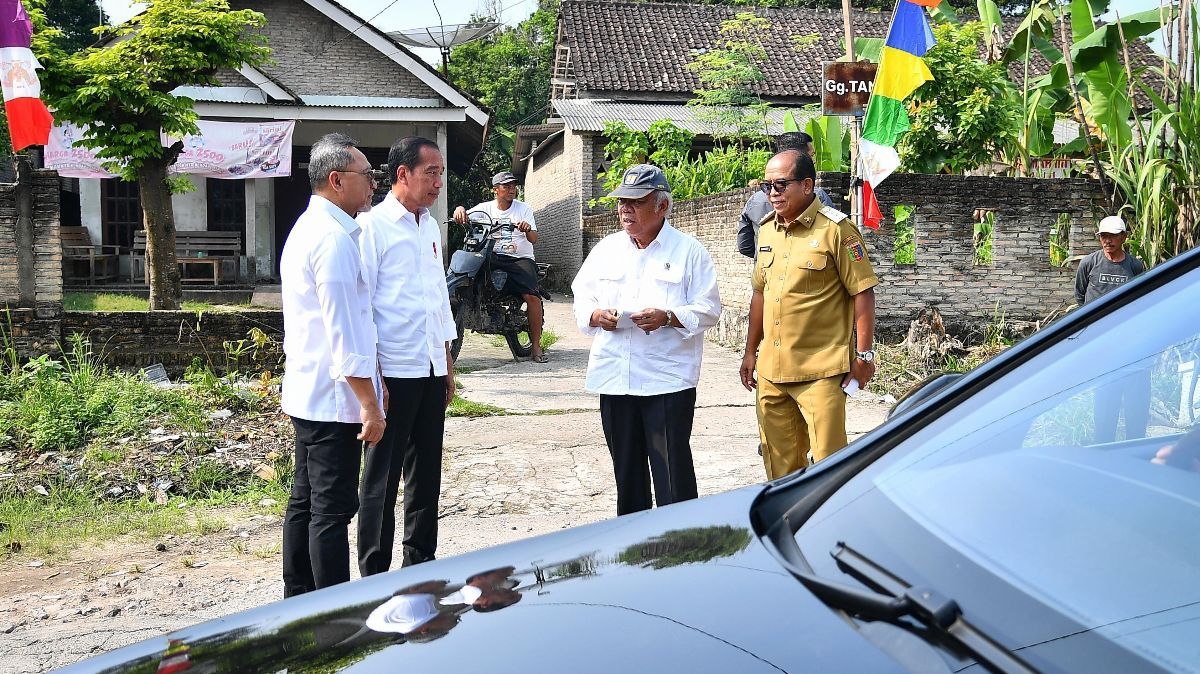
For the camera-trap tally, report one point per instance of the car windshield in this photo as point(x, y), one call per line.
point(1060, 503)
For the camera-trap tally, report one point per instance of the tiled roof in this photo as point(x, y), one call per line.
point(591, 115)
point(643, 48)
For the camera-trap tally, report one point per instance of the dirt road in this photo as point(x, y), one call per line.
point(541, 468)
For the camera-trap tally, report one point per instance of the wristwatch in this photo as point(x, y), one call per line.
point(670, 318)
point(867, 356)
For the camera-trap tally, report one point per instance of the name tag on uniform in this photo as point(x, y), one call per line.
point(764, 249)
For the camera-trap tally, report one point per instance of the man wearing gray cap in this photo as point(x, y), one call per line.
point(515, 251)
point(1100, 273)
point(647, 294)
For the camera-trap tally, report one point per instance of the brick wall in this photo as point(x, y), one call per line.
point(31, 259)
point(314, 55)
point(552, 187)
point(1020, 282)
point(135, 339)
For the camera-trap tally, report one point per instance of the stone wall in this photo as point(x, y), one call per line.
point(30, 249)
point(133, 340)
point(1020, 284)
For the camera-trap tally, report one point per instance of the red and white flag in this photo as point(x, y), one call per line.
point(29, 121)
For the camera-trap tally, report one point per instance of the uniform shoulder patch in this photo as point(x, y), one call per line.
point(834, 214)
point(769, 217)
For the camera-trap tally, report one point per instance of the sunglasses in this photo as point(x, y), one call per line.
point(779, 185)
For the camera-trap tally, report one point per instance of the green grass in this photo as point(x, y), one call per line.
point(460, 407)
point(121, 302)
point(549, 337)
point(52, 526)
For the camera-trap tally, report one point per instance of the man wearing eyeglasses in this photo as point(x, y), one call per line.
point(402, 263)
point(331, 389)
point(813, 283)
point(759, 208)
point(646, 295)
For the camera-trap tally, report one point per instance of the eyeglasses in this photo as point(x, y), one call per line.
point(366, 173)
point(779, 185)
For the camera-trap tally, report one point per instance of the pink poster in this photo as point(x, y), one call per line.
point(228, 150)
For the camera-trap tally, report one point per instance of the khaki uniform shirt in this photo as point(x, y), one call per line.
point(808, 271)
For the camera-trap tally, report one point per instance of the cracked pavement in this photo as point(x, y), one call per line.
point(540, 468)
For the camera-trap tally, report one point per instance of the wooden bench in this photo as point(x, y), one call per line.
point(77, 247)
point(191, 248)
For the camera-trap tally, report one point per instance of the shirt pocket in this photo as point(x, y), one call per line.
point(812, 273)
point(608, 285)
point(668, 287)
point(762, 267)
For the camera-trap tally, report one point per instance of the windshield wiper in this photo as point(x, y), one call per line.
point(893, 599)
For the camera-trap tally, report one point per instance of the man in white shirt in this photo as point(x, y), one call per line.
point(516, 253)
point(331, 388)
point(647, 294)
point(402, 263)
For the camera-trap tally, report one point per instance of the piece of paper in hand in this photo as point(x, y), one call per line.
point(625, 320)
point(851, 388)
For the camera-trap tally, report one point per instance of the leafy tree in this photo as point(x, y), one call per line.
point(508, 71)
point(727, 74)
point(76, 19)
point(121, 94)
point(966, 115)
point(695, 545)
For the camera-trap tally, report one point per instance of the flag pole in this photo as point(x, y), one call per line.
point(854, 193)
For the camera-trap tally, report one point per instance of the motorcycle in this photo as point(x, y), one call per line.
point(477, 296)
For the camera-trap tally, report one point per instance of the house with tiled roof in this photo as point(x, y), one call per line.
point(628, 61)
point(331, 71)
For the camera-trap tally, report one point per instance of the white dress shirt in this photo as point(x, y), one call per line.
point(519, 245)
point(402, 261)
point(328, 333)
point(674, 272)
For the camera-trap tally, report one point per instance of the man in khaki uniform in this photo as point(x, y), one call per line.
point(812, 283)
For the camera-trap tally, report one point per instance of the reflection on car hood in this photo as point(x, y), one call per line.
point(683, 588)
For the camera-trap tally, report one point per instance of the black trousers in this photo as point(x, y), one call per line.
point(654, 430)
point(316, 547)
point(1131, 393)
point(411, 449)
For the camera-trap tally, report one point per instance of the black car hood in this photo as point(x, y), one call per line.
point(684, 588)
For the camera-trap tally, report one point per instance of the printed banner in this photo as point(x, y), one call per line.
point(226, 150)
point(238, 150)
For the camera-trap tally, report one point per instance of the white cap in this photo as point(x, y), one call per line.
point(1113, 224)
point(403, 613)
point(467, 594)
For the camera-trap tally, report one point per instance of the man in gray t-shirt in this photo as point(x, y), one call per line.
point(1108, 268)
point(1100, 273)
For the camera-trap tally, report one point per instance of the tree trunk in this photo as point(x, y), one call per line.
point(165, 284)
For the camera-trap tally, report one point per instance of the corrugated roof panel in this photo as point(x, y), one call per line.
point(369, 102)
point(252, 95)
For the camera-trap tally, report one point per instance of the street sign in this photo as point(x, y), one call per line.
point(846, 87)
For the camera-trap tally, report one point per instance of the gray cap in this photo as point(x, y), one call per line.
point(641, 180)
point(503, 177)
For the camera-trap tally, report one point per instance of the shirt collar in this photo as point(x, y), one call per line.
point(348, 223)
point(395, 211)
point(663, 238)
point(805, 219)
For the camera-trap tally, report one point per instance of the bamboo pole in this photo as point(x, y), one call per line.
point(855, 129)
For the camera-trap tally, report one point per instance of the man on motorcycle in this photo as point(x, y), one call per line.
point(515, 256)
